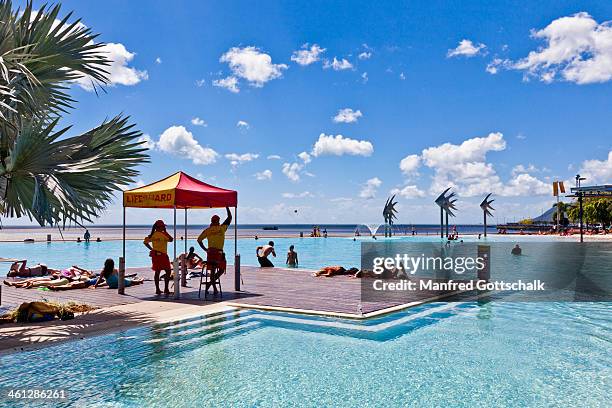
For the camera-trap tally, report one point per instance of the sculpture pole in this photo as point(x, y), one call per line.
point(486, 206)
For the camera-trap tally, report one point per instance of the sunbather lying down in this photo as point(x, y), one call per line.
point(330, 271)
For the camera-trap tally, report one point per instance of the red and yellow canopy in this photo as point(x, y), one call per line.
point(179, 191)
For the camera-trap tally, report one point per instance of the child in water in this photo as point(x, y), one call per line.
point(292, 258)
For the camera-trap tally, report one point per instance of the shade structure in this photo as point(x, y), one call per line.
point(181, 191)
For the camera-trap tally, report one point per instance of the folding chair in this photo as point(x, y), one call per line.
point(212, 278)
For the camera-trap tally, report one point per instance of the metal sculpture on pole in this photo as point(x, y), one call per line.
point(389, 214)
point(486, 206)
point(447, 205)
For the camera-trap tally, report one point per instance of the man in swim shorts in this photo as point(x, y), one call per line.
point(215, 257)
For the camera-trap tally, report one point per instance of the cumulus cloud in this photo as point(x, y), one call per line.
point(410, 164)
point(198, 122)
point(464, 167)
point(305, 157)
point(337, 65)
point(307, 55)
point(230, 83)
point(237, 159)
point(146, 141)
point(339, 145)
point(119, 71)
point(264, 175)
point(577, 49)
point(241, 124)
point(597, 171)
point(292, 171)
point(179, 141)
point(304, 194)
point(466, 48)
point(409, 192)
point(347, 115)
point(370, 188)
point(365, 55)
point(252, 65)
point(158, 60)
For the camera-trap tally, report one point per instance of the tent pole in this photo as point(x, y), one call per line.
point(123, 233)
point(236, 257)
point(185, 229)
point(177, 285)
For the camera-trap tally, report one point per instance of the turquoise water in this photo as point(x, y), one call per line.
point(456, 354)
point(313, 252)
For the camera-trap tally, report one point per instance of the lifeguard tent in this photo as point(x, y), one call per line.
point(180, 191)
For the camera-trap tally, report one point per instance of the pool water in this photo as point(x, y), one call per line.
point(440, 354)
point(313, 253)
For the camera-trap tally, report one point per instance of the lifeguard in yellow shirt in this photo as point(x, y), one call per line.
point(215, 234)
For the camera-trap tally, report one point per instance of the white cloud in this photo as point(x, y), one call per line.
point(597, 171)
point(466, 48)
point(402, 76)
point(158, 60)
point(292, 171)
point(119, 71)
point(365, 55)
point(370, 188)
point(364, 78)
point(146, 141)
point(526, 185)
point(237, 159)
point(251, 64)
point(338, 65)
point(264, 175)
point(305, 157)
point(339, 145)
point(409, 192)
point(230, 83)
point(274, 157)
point(198, 122)
point(578, 49)
point(464, 167)
point(241, 124)
point(304, 194)
point(410, 164)
point(179, 141)
point(347, 115)
point(307, 55)
point(200, 82)
point(520, 168)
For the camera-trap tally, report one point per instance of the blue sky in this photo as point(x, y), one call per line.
point(420, 74)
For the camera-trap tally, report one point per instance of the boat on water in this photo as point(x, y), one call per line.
point(270, 228)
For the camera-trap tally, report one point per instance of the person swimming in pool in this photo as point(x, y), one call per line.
point(516, 250)
point(262, 255)
point(292, 257)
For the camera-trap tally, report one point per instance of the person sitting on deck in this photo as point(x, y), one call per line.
point(157, 242)
point(215, 257)
point(262, 255)
point(110, 275)
point(292, 257)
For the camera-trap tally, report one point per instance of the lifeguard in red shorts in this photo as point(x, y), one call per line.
point(215, 257)
point(157, 242)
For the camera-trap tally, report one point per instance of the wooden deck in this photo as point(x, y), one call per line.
point(271, 287)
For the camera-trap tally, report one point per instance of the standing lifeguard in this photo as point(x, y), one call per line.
point(215, 257)
point(157, 242)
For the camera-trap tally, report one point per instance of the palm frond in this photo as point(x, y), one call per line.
point(51, 179)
